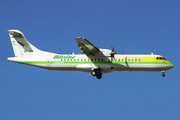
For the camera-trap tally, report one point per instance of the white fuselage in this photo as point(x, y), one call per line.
point(72, 62)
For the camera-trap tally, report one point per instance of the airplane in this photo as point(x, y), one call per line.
point(93, 60)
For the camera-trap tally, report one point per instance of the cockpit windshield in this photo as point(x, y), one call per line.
point(160, 58)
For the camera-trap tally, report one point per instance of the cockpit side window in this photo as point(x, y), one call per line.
point(160, 58)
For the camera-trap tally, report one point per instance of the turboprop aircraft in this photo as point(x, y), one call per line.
point(93, 60)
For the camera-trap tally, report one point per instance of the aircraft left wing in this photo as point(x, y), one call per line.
point(86, 47)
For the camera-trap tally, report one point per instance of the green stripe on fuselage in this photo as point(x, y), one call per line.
point(90, 62)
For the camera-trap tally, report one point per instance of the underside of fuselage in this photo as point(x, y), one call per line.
point(105, 68)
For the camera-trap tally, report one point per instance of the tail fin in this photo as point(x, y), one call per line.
point(20, 45)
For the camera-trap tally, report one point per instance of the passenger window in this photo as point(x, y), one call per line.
point(139, 60)
point(119, 60)
point(136, 60)
point(132, 59)
point(122, 59)
point(128, 59)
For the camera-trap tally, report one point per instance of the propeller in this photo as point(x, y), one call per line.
point(112, 52)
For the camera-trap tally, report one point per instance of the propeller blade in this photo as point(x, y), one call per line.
point(112, 52)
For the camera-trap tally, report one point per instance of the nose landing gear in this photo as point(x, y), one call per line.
point(163, 73)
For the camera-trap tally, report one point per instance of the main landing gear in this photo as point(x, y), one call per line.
point(163, 73)
point(97, 73)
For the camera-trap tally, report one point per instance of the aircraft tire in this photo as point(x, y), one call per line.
point(99, 76)
point(93, 73)
point(163, 75)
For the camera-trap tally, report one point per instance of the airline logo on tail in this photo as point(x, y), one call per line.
point(22, 44)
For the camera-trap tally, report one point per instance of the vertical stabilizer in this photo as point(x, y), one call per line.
point(20, 45)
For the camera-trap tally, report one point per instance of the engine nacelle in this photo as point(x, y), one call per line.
point(104, 52)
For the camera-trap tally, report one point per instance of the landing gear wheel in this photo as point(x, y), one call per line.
point(99, 76)
point(163, 74)
point(97, 73)
point(93, 73)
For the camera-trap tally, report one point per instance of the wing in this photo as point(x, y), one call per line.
point(86, 47)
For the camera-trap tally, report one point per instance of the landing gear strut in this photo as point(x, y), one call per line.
point(163, 73)
point(97, 73)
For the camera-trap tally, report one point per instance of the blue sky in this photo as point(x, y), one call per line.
point(136, 27)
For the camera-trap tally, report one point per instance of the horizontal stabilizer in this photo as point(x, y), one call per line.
point(15, 32)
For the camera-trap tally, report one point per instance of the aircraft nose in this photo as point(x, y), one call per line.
point(171, 66)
